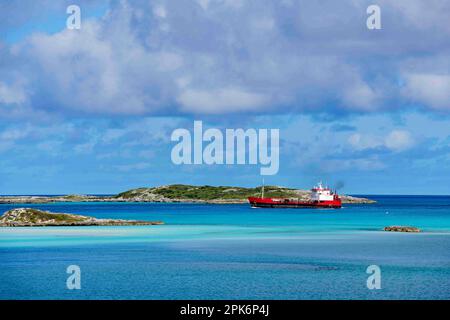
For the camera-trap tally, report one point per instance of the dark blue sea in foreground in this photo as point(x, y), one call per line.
point(234, 252)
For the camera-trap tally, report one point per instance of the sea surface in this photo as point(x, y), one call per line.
point(234, 252)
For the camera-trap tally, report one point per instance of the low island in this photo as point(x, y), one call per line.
point(183, 193)
point(26, 217)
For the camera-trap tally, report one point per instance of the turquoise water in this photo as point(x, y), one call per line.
point(234, 252)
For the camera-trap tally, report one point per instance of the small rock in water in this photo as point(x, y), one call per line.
point(401, 229)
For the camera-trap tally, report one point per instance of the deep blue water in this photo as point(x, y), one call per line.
point(234, 252)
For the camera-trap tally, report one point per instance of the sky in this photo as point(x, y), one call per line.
point(92, 110)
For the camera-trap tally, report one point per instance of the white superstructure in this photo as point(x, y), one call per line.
point(319, 193)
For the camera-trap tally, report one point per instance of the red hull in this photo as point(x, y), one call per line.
point(289, 203)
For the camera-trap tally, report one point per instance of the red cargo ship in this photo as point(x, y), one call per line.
point(320, 198)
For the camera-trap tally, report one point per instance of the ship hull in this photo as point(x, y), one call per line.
point(288, 203)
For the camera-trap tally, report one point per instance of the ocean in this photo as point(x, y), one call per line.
point(207, 251)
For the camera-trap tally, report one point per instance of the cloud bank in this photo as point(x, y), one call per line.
point(217, 57)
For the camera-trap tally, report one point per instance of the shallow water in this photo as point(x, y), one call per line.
point(233, 252)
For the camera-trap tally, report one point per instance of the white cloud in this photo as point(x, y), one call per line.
point(360, 142)
point(221, 101)
point(133, 166)
point(396, 140)
point(85, 148)
point(112, 135)
point(362, 164)
point(423, 15)
point(234, 56)
point(11, 94)
point(361, 97)
point(263, 24)
point(203, 3)
point(168, 61)
point(433, 90)
point(236, 4)
point(399, 140)
point(14, 133)
point(160, 11)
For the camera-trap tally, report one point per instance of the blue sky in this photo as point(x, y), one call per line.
point(92, 110)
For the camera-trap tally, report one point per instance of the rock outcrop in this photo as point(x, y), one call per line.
point(401, 229)
point(26, 217)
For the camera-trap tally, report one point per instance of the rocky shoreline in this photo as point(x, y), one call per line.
point(27, 217)
point(181, 193)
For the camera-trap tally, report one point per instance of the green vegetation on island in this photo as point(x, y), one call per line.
point(182, 191)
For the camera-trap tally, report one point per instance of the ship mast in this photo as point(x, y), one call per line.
point(262, 190)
